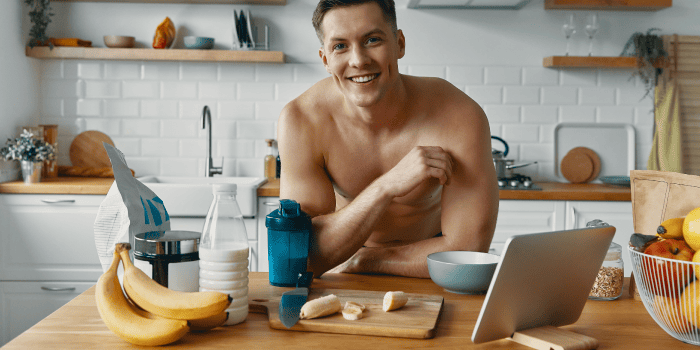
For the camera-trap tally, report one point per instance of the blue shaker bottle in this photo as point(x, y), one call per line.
point(288, 238)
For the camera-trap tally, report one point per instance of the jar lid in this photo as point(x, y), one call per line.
point(614, 252)
point(289, 217)
point(224, 187)
point(168, 243)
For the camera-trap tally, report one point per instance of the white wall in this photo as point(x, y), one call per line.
point(151, 110)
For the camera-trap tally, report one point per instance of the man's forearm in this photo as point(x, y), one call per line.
point(337, 236)
point(407, 260)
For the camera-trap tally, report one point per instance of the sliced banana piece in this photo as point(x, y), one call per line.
point(394, 300)
point(352, 313)
point(320, 307)
point(352, 303)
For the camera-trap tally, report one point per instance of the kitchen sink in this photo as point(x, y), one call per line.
point(191, 196)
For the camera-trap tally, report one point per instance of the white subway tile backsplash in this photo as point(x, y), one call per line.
point(53, 70)
point(52, 107)
point(160, 71)
point(644, 115)
point(179, 90)
point(577, 114)
point(484, 95)
point(70, 69)
point(196, 148)
point(547, 133)
point(522, 95)
point(159, 109)
point(309, 73)
point(272, 73)
point(502, 114)
point(250, 167)
point(152, 147)
point(582, 77)
point(256, 91)
point(540, 76)
point(465, 75)
point(195, 109)
point(144, 166)
point(237, 110)
point(179, 128)
point(630, 96)
point(140, 128)
point(111, 127)
point(616, 114)
point(502, 75)
point(237, 72)
point(540, 114)
point(90, 70)
point(268, 110)
point(61, 88)
point(536, 151)
point(198, 71)
point(102, 89)
point(121, 108)
point(216, 90)
point(521, 133)
point(179, 166)
point(222, 129)
point(616, 78)
point(130, 70)
point(140, 89)
point(128, 146)
point(255, 130)
point(556, 95)
point(88, 108)
point(437, 71)
point(289, 91)
point(597, 96)
point(236, 148)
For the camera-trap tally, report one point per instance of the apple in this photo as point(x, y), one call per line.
point(668, 277)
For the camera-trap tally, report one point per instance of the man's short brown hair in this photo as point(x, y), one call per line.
point(388, 9)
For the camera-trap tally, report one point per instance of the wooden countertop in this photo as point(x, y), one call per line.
point(619, 324)
point(550, 190)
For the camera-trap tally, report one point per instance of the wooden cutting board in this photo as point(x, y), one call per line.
point(87, 150)
point(417, 319)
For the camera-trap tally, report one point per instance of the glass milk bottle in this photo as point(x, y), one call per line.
point(223, 252)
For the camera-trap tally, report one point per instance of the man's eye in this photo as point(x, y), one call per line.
point(373, 40)
point(339, 46)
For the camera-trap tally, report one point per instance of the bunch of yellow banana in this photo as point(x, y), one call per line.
point(165, 318)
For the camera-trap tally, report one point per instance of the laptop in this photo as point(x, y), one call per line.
point(542, 279)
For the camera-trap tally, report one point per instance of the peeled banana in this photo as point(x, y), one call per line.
point(671, 229)
point(122, 318)
point(394, 300)
point(320, 307)
point(159, 300)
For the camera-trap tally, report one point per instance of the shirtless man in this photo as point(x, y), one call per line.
point(390, 167)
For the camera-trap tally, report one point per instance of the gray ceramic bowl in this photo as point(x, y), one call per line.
point(462, 272)
point(198, 42)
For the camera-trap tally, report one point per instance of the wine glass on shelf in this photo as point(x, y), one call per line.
point(569, 28)
point(592, 27)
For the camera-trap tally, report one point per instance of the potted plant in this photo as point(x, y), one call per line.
point(651, 55)
point(30, 152)
point(40, 14)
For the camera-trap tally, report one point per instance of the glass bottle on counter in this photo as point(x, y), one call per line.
point(608, 283)
point(270, 161)
point(224, 251)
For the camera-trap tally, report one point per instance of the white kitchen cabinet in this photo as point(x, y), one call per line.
point(618, 214)
point(23, 304)
point(266, 205)
point(526, 216)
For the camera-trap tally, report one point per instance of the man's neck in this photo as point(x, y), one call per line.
point(386, 113)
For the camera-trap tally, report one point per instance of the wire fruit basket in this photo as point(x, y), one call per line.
point(670, 292)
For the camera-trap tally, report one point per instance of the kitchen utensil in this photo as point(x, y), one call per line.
point(289, 234)
point(616, 180)
point(613, 143)
point(87, 150)
point(462, 272)
point(504, 167)
point(577, 166)
point(198, 42)
point(118, 41)
point(292, 301)
point(170, 258)
point(417, 319)
point(595, 159)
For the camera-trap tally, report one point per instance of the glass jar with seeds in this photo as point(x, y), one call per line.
point(608, 283)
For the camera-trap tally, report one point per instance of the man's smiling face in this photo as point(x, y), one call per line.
point(361, 51)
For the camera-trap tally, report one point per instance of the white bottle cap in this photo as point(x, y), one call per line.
point(225, 187)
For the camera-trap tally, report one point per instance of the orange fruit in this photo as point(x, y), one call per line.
point(690, 303)
point(691, 229)
point(670, 313)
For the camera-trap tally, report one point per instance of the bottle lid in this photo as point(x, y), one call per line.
point(289, 217)
point(167, 243)
point(225, 187)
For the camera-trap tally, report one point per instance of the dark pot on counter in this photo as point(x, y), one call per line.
point(504, 167)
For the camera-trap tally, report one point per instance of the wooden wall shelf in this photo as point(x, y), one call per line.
point(608, 5)
point(93, 53)
point(589, 62)
point(223, 2)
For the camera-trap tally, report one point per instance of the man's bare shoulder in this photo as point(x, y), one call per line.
point(312, 105)
point(444, 100)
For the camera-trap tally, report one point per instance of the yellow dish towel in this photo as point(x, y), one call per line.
point(666, 149)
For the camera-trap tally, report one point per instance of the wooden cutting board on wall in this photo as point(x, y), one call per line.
point(87, 150)
point(417, 319)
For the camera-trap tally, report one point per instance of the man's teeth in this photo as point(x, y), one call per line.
point(364, 79)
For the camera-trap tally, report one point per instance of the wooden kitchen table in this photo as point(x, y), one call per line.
point(618, 324)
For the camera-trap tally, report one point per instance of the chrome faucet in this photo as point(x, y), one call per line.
point(209, 169)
